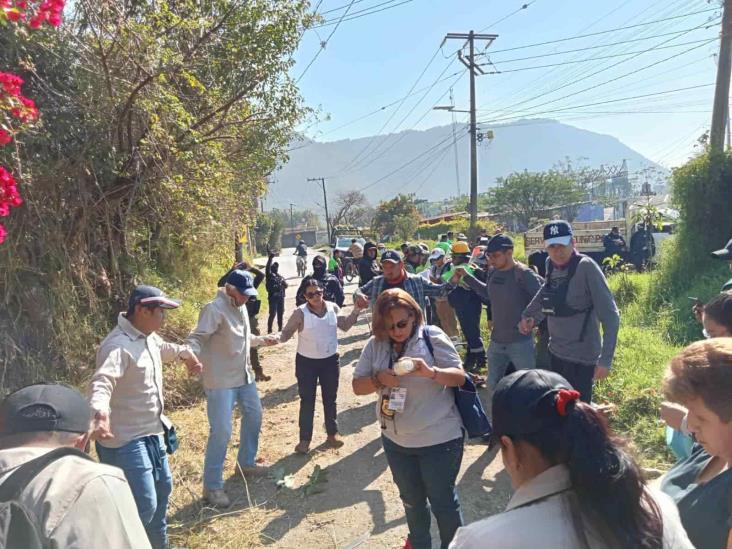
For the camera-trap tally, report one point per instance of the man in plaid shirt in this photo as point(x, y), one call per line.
point(395, 276)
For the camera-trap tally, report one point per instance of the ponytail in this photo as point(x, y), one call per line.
point(609, 492)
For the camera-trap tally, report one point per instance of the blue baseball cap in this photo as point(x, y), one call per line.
point(151, 296)
point(391, 255)
point(557, 232)
point(242, 281)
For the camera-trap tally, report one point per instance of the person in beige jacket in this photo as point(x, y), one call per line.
point(74, 501)
point(222, 340)
point(126, 396)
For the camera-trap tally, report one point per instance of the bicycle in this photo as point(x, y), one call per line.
point(349, 269)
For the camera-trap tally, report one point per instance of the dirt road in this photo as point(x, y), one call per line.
point(357, 505)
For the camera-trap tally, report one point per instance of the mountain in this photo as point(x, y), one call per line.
point(423, 162)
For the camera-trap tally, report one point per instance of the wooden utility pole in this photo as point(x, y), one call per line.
point(292, 223)
point(474, 69)
point(721, 94)
point(321, 180)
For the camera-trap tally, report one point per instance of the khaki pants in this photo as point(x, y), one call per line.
point(446, 314)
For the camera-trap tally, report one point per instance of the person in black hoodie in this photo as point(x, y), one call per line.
point(253, 305)
point(333, 290)
point(368, 267)
point(276, 285)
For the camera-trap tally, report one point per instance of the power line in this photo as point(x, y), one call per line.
point(502, 19)
point(564, 63)
point(325, 43)
point(389, 4)
point(579, 36)
point(606, 102)
point(339, 8)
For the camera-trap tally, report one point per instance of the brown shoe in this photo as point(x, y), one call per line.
point(255, 470)
point(333, 441)
point(217, 498)
point(303, 447)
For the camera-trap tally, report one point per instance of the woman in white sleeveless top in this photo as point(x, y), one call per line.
point(317, 323)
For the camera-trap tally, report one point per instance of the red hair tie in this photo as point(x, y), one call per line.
point(564, 397)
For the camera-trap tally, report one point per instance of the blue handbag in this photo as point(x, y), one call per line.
point(468, 402)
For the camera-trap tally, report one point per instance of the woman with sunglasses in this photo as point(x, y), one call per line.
point(411, 367)
point(576, 486)
point(316, 323)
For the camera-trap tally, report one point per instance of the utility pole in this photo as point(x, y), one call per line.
point(721, 93)
point(321, 180)
point(292, 223)
point(474, 69)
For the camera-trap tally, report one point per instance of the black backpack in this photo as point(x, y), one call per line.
point(19, 526)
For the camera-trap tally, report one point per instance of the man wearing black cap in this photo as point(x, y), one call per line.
point(510, 287)
point(222, 338)
point(396, 276)
point(332, 288)
point(46, 427)
point(127, 399)
point(575, 299)
point(725, 254)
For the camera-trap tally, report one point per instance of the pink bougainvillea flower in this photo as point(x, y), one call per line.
point(14, 15)
point(4, 210)
point(3, 233)
point(54, 19)
point(21, 4)
point(5, 137)
point(35, 22)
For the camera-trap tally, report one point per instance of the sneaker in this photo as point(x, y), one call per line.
point(333, 441)
point(303, 447)
point(255, 470)
point(217, 498)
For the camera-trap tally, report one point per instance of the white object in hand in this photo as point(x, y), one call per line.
point(404, 366)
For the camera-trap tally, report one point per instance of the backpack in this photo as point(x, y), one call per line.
point(554, 300)
point(19, 526)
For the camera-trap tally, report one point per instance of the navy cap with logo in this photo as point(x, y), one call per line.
point(151, 296)
point(527, 401)
point(391, 255)
point(725, 253)
point(45, 407)
point(499, 243)
point(558, 232)
point(243, 281)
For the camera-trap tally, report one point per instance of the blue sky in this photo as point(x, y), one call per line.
point(374, 60)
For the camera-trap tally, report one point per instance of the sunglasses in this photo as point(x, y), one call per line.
point(309, 295)
point(399, 325)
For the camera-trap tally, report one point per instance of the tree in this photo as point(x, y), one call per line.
point(352, 208)
point(524, 198)
point(387, 212)
point(405, 226)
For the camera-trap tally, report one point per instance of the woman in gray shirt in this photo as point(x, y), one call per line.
point(422, 431)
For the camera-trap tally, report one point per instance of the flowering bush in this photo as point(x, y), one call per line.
point(16, 110)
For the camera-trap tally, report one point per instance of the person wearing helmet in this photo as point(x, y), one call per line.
point(468, 308)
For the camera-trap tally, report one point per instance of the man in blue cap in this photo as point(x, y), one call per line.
point(127, 400)
point(222, 339)
point(575, 300)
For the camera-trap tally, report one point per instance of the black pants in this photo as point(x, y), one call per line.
point(276, 307)
point(253, 351)
point(580, 376)
point(308, 372)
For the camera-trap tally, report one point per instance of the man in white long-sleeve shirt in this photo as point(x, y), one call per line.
point(126, 396)
point(222, 339)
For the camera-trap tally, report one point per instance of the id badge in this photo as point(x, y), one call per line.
point(397, 399)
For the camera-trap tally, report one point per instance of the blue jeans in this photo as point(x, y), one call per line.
point(427, 474)
point(521, 354)
point(145, 466)
point(219, 407)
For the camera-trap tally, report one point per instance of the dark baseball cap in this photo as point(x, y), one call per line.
point(150, 295)
point(242, 281)
point(557, 232)
point(44, 407)
point(499, 243)
point(525, 402)
point(725, 253)
point(391, 255)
